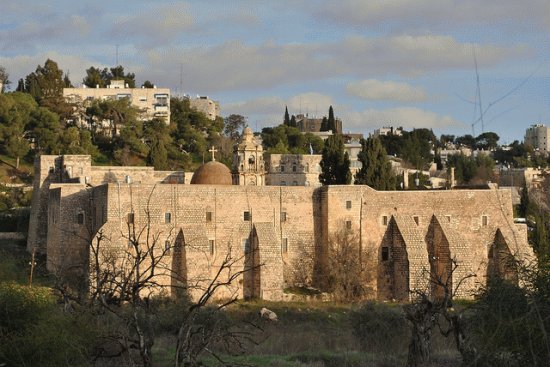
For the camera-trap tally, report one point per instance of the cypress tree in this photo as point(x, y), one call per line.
point(324, 124)
point(376, 168)
point(331, 120)
point(293, 122)
point(287, 117)
point(335, 163)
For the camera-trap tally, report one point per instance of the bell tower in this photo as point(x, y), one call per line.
point(248, 161)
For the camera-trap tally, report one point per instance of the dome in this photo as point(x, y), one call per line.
point(212, 173)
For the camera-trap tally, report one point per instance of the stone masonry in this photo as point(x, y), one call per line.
point(282, 233)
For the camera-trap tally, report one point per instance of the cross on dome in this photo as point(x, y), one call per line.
point(213, 150)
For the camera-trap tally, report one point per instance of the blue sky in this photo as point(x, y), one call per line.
point(378, 62)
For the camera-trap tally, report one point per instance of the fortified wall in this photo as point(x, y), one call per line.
point(283, 235)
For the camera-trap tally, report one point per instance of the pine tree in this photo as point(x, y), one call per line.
point(331, 121)
point(287, 117)
point(524, 202)
point(376, 168)
point(335, 163)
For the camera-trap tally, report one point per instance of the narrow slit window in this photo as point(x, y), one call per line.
point(385, 253)
point(283, 216)
point(385, 220)
point(80, 218)
point(416, 219)
point(348, 204)
point(484, 220)
point(348, 224)
point(212, 246)
point(167, 218)
point(209, 216)
point(284, 246)
point(130, 218)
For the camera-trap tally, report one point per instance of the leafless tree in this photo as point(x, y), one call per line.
point(349, 269)
point(428, 311)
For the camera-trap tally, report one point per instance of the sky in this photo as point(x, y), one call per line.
point(409, 63)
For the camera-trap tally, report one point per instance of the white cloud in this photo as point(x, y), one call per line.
point(408, 14)
point(408, 117)
point(269, 106)
point(235, 65)
point(373, 89)
point(154, 26)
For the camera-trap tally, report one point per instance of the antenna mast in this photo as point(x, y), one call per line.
point(479, 95)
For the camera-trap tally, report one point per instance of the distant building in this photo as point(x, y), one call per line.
point(293, 169)
point(313, 125)
point(151, 102)
point(538, 137)
point(388, 130)
point(205, 105)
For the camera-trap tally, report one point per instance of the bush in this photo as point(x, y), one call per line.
point(380, 328)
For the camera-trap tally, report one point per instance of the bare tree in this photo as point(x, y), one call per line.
point(349, 269)
point(428, 311)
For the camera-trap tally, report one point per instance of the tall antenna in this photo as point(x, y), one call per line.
point(479, 94)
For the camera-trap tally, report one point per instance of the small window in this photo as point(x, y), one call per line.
point(283, 183)
point(484, 220)
point(348, 204)
point(246, 216)
point(416, 219)
point(293, 168)
point(282, 168)
point(167, 247)
point(167, 218)
point(448, 218)
point(385, 253)
point(246, 245)
point(284, 246)
point(283, 216)
point(212, 246)
point(80, 218)
point(209, 216)
point(348, 224)
point(130, 218)
point(385, 220)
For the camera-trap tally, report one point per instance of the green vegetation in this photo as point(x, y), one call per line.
point(335, 162)
point(376, 169)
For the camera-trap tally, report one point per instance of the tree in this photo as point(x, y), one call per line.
point(158, 132)
point(147, 84)
point(376, 169)
point(324, 124)
point(487, 141)
point(335, 163)
point(286, 120)
point(466, 140)
point(46, 130)
point(331, 123)
point(103, 77)
point(4, 79)
point(293, 122)
point(349, 271)
point(15, 112)
point(234, 125)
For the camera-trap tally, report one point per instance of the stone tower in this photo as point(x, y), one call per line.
point(248, 161)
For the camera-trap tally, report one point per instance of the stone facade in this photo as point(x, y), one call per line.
point(207, 106)
point(282, 233)
point(538, 136)
point(293, 170)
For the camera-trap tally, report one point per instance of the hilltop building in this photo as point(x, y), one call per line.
point(538, 136)
point(151, 102)
point(308, 124)
point(205, 105)
point(282, 234)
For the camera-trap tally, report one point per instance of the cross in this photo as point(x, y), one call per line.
point(213, 150)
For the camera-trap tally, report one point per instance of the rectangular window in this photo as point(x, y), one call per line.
point(246, 245)
point(212, 246)
point(130, 218)
point(348, 204)
point(416, 219)
point(385, 253)
point(167, 218)
point(293, 168)
point(385, 220)
point(448, 218)
point(348, 224)
point(283, 216)
point(284, 246)
point(209, 216)
point(246, 216)
point(282, 168)
point(80, 218)
point(484, 220)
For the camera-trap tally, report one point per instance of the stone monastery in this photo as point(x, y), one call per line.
point(283, 233)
